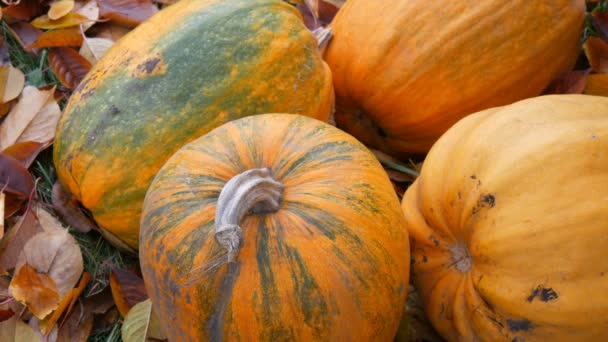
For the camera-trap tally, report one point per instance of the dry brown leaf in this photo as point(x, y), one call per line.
point(12, 81)
point(94, 48)
point(16, 237)
point(573, 82)
point(47, 221)
point(597, 84)
point(2, 197)
point(57, 254)
point(596, 51)
point(36, 290)
point(7, 329)
point(127, 289)
point(42, 127)
point(68, 209)
point(65, 306)
point(25, 33)
point(77, 327)
point(110, 31)
point(23, 9)
point(69, 20)
point(62, 37)
point(25, 152)
point(5, 108)
point(600, 22)
point(89, 10)
point(69, 66)
point(14, 178)
point(128, 13)
point(60, 8)
point(33, 102)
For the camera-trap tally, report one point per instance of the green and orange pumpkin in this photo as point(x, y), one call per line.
point(406, 70)
point(275, 227)
point(185, 71)
point(509, 223)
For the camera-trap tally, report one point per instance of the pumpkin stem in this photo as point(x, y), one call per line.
point(254, 191)
point(323, 36)
point(461, 257)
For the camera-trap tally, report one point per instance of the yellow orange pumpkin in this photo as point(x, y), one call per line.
point(508, 223)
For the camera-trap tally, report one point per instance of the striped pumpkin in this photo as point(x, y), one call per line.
point(323, 255)
point(187, 70)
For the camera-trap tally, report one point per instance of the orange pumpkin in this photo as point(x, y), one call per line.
point(406, 70)
point(509, 223)
point(275, 227)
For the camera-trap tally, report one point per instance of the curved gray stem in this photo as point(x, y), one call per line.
point(253, 191)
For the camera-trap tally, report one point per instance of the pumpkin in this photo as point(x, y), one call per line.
point(508, 223)
point(188, 69)
point(275, 227)
point(406, 70)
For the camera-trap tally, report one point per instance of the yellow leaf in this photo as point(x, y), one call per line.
point(142, 323)
point(12, 81)
point(36, 290)
point(60, 8)
point(91, 11)
point(68, 20)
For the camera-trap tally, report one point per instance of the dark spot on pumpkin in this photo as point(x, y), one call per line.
point(519, 325)
point(544, 294)
point(149, 65)
point(518, 339)
point(412, 261)
point(435, 240)
point(86, 95)
point(473, 177)
point(113, 110)
point(602, 274)
point(484, 201)
point(459, 195)
point(424, 258)
point(496, 321)
point(401, 288)
point(487, 303)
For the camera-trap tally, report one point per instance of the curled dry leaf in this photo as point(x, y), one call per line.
point(2, 198)
point(68, 20)
point(25, 33)
point(596, 51)
point(89, 10)
point(77, 326)
point(128, 13)
point(14, 178)
point(110, 31)
point(94, 48)
point(16, 237)
point(23, 9)
point(68, 209)
point(128, 289)
point(142, 324)
point(57, 254)
point(12, 81)
point(26, 151)
point(62, 37)
point(36, 290)
point(69, 66)
point(65, 306)
point(46, 220)
point(7, 329)
point(33, 118)
point(597, 84)
point(60, 8)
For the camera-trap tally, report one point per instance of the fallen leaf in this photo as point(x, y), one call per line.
point(596, 51)
point(69, 66)
point(110, 31)
point(572, 82)
point(91, 11)
point(36, 290)
point(128, 13)
point(65, 306)
point(2, 197)
point(94, 48)
point(46, 220)
point(25, 33)
point(5, 108)
point(23, 9)
point(77, 326)
point(68, 209)
point(70, 19)
point(6, 315)
point(7, 329)
point(25, 152)
point(14, 178)
point(597, 84)
point(599, 21)
point(57, 254)
point(60, 8)
point(34, 323)
point(16, 237)
point(127, 289)
point(12, 81)
point(141, 324)
point(33, 118)
point(62, 37)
